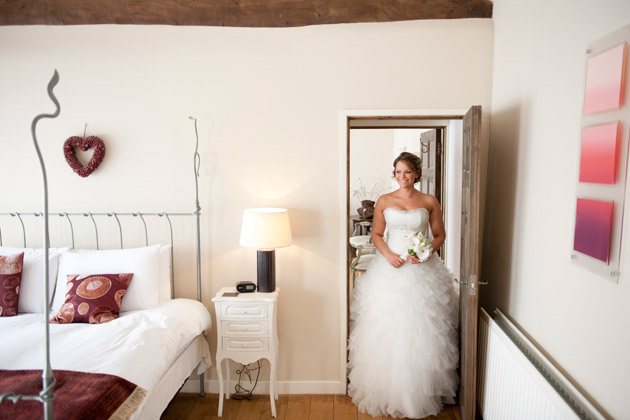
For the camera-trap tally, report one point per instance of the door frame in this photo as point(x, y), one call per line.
point(345, 116)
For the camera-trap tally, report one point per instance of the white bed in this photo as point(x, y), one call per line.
point(156, 348)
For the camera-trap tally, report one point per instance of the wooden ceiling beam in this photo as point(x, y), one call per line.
point(236, 13)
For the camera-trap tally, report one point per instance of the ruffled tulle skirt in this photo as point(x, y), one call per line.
point(403, 349)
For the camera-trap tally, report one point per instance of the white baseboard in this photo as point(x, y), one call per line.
point(286, 387)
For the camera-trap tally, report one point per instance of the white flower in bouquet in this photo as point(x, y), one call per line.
point(419, 246)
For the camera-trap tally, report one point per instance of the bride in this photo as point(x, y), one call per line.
point(403, 350)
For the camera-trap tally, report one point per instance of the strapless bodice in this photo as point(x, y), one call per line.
point(403, 222)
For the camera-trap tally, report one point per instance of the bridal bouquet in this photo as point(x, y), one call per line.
point(418, 245)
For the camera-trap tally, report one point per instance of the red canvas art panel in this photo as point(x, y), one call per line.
point(604, 80)
point(598, 155)
point(593, 228)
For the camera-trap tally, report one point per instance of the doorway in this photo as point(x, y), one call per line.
point(457, 128)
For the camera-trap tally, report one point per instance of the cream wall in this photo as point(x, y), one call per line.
point(580, 319)
point(268, 103)
point(370, 160)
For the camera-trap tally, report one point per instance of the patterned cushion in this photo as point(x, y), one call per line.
point(32, 286)
point(10, 279)
point(93, 298)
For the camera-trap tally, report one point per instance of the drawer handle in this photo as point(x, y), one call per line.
point(244, 328)
point(244, 345)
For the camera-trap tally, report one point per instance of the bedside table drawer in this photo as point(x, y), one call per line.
point(245, 328)
point(230, 310)
point(245, 344)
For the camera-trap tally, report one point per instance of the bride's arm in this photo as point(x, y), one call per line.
point(378, 230)
point(437, 225)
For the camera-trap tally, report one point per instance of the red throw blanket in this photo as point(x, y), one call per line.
point(79, 395)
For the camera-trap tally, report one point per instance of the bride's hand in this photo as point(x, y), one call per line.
point(395, 260)
point(413, 259)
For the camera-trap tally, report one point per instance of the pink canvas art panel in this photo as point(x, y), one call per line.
point(593, 228)
point(598, 156)
point(604, 80)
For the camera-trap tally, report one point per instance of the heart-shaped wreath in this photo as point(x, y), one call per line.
point(84, 143)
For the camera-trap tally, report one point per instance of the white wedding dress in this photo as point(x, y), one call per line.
point(403, 334)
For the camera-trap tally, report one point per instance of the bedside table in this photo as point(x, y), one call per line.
point(246, 332)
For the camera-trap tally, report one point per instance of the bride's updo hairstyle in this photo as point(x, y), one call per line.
point(414, 162)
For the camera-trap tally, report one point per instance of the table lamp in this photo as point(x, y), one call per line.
point(266, 229)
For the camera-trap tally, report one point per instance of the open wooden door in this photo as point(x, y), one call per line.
point(431, 147)
point(469, 265)
point(432, 163)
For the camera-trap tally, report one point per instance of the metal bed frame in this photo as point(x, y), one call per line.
point(46, 396)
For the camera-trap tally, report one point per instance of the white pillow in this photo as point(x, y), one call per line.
point(164, 287)
point(31, 298)
point(142, 262)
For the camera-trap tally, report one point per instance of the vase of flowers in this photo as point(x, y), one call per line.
point(366, 211)
point(368, 199)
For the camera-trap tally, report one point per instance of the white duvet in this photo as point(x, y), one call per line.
point(139, 346)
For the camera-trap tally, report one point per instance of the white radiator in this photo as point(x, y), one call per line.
point(516, 381)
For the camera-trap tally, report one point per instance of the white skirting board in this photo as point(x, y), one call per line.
point(516, 381)
point(284, 387)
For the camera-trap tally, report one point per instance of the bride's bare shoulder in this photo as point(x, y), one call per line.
point(384, 200)
point(429, 202)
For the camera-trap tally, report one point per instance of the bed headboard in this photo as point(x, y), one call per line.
point(109, 230)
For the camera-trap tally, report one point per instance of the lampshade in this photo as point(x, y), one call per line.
point(266, 228)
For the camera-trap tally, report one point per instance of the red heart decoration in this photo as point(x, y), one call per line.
point(84, 144)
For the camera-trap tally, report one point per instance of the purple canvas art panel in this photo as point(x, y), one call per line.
point(593, 228)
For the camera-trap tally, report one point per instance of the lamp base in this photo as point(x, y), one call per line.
point(266, 271)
